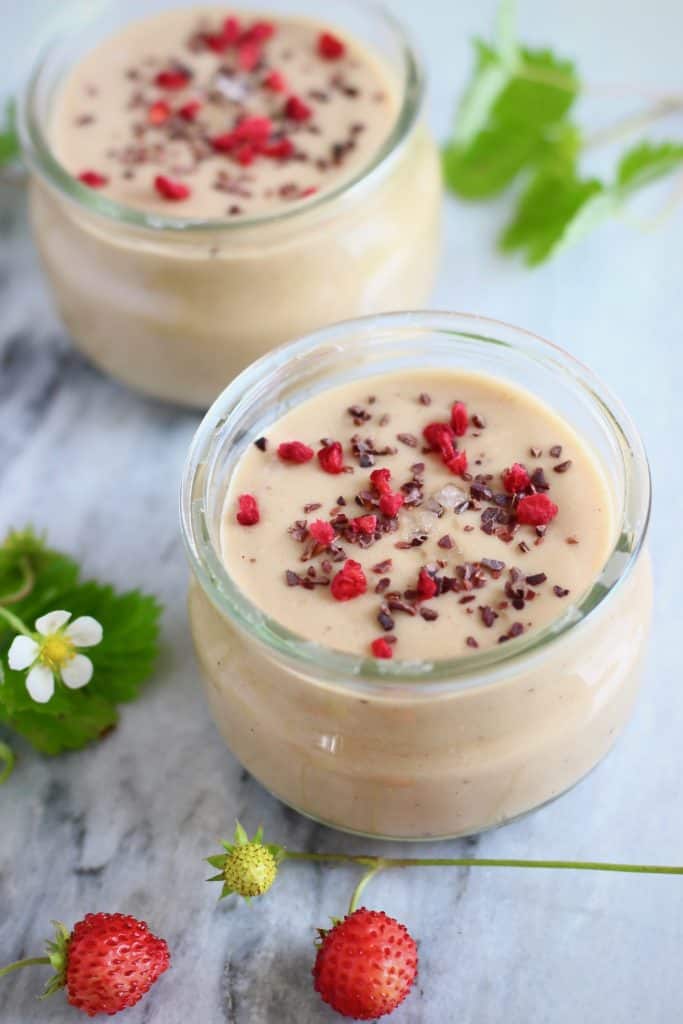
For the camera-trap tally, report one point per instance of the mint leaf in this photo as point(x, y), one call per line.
point(34, 580)
point(509, 117)
point(646, 162)
point(9, 141)
point(548, 209)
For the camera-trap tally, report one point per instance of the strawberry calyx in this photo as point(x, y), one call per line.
point(248, 867)
point(57, 952)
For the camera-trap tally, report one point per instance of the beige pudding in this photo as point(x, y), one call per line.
point(470, 558)
point(423, 606)
point(211, 182)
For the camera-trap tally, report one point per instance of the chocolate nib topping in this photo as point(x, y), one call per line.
point(488, 615)
point(562, 467)
point(536, 579)
point(556, 451)
point(560, 591)
point(261, 443)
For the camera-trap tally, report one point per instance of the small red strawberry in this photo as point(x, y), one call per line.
point(366, 965)
point(106, 964)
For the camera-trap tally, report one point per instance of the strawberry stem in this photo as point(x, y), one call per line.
point(14, 621)
point(380, 863)
point(26, 586)
point(358, 891)
point(6, 762)
point(30, 962)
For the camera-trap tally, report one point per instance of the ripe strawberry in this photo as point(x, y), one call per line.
point(366, 965)
point(107, 963)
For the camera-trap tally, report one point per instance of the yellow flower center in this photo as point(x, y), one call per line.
point(56, 650)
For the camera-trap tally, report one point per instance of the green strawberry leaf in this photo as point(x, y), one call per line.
point(9, 140)
point(507, 120)
point(646, 162)
point(34, 580)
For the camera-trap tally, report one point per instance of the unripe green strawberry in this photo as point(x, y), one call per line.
point(250, 870)
point(248, 867)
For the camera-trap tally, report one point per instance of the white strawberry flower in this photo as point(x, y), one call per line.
point(52, 651)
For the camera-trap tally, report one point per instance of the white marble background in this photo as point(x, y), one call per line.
point(125, 826)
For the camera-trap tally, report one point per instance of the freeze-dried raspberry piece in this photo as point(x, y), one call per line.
point(175, 78)
point(349, 582)
point(189, 110)
point(426, 585)
point(331, 458)
point(536, 510)
point(330, 47)
point(516, 478)
point(364, 524)
point(389, 504)
point(170, 189)
point(294, 451)
point(158, 113)
point(380, 478)
point(381, 649)
point(275, 81)
point(457, 463)
point(93, 179)
point(247, 510)
point(296, 110)
point(322, 532)
point(440, 437)
point(459, 419)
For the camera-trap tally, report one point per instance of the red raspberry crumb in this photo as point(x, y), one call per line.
point(389, 504)
point(296, 109)
point(228, 36)
point(247, 510)
point(364, 524)
point(457, 463)
point(330, 47)
point(440, 436)
point(426, 585)
point(381, 649)
point(248, 54)
point(516, 478)
point(158, 112)
point(275, 81)
point(380, 478)
point(536, 510)
point(295, 451)
point(280, 150)
point(170, 189)
point(459, 419)
point(310, 191)
point(189, 110)
point(259, 32)
point(176, 78)
point(331, 458)
point(349, 582)
point(322, 532)
point(93, 179)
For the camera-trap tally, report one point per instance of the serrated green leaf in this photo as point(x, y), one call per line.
point(646, 162)
point(507, 120)
point(216, 878)
point(225, 891)
point(34, 580)
point(545, 213)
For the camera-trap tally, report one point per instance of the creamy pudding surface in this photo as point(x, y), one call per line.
point(205, 113)
point(420, 516)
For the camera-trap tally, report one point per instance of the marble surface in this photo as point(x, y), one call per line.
point(125, 826)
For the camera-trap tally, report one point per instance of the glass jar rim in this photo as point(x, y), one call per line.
point(362, 672)
point(38, 154)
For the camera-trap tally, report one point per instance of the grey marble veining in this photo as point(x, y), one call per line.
point(125, 826)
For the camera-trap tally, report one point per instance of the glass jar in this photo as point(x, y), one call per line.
point(176, 307)
point(446, 748)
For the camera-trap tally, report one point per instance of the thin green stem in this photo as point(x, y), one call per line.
point(24, 963)
point(15, 622)
point(358, 891)
point(481, 862)
point(26, 586)
point(634, 122)
point(7, 760)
